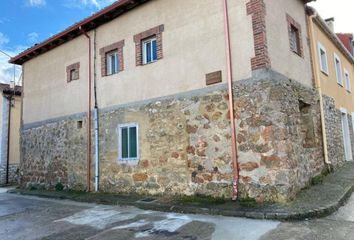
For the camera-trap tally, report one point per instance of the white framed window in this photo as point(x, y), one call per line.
point(112, 64)
point(338, 67)
point(347, 80)
point(128, 135)
point(322, 54)
point(149, 50)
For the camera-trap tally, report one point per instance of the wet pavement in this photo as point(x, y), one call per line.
point(23, 217)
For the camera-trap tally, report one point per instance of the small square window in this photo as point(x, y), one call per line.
point(74, 74)
point(112, 64)
point(338, 66)
point(149, 50)
point(128, 142)
point(347, 81)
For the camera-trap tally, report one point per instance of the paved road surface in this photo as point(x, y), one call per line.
point(23, 217)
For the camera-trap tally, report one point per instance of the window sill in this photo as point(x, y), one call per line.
point(109, 75)
point(325, 73)
point(149, 63)
point(129, 162)
point(296, 53)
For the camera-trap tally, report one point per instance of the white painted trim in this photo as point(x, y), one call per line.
point(343, 110)
point(321, 47)
point(109, 62)
point(144, 43)
point(339, 75)
point(347, 81)
point(119, 132)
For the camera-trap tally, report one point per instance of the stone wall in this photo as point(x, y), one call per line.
point(333, 122)
point(54, 152)
point(13, 174)
point(185, 143)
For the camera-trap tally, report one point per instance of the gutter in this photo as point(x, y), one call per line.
point(317, 82)
point(88, 131)
point(9, 98)
point(235, 169)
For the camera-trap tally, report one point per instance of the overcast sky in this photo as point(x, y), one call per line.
point(341, 10)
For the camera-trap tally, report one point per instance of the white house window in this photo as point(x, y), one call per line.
point(323, 58)
point(112, 63)
point(338, 66)
point(347, 81)
point(128, 142)
point(149, 50)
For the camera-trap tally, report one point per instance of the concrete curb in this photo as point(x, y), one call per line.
point(315, 202)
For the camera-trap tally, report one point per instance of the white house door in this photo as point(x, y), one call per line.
point(346, 137)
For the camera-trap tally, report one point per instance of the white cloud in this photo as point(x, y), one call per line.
point(3, 39)
point(98, 4)
point(32, 37)
point(7, 69)
point(36, 3)
point(341, 10)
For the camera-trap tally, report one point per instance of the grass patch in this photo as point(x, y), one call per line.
point(248, 202)
point(59, 187)
point(319, 178)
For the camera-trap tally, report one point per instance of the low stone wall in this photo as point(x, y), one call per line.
point(333, 122)
point(13, 174)
point(185, 144)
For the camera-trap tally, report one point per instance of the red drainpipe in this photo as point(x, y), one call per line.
point(88, 151)
point(235, 169)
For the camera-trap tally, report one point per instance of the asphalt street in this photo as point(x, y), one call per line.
point(24, 217)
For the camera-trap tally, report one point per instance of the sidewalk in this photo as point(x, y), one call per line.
point(317, 201)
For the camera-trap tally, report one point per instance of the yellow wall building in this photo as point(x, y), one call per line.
point(10, 119)
point(333, 67)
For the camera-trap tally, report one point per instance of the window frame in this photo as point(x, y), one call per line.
point(73, 72)
point(294, 26)
point(144, 49)
point(322, 48)
point(339, 75)
point(348, 85)
point(119, 129)
point(296, 31)
point(109, 71)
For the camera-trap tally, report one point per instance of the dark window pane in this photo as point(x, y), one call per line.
point(148, 52)
point(154, 50)
point(113, 63)
point(133, 143)
point(124, 139)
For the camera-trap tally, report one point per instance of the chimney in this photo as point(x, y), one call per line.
point(330, 23)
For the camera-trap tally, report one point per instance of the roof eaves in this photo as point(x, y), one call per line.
point(333, 36)
point(103, 16)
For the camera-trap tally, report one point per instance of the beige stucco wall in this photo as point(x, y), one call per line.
point(193, 45)
point(329, 85)
point(282, 59)
point(47, 93)
point(15, 131)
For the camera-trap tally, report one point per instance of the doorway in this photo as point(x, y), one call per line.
point(346, 136)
